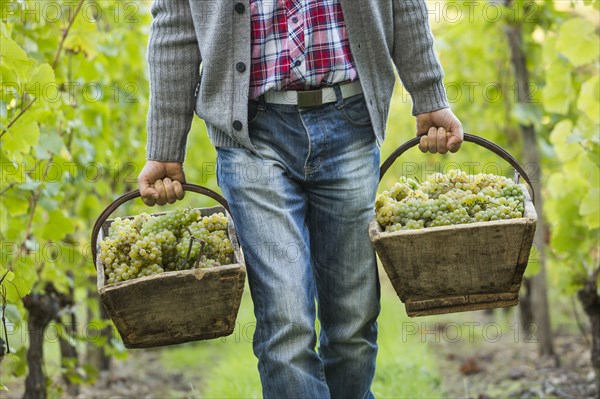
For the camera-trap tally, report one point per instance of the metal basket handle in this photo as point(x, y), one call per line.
point(135, 194)
point(495, 148)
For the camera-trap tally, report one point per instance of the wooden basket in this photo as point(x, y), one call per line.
point(458, 268)
point(177, 306)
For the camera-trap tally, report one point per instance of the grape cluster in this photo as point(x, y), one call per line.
point(147, 245)
point(448, 199)
point(208, 236)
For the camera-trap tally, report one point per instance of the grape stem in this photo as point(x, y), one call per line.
point(199, 256)
point(189, 252)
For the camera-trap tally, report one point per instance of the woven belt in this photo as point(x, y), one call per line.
point(312, 98)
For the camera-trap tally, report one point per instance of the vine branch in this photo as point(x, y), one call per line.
point(582, 328)
point(33, 201)
point(54, 63)
point(65, 34)
point(17, 117)
point(5, 189)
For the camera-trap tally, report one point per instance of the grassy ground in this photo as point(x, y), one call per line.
point(466, 355)
point(226, 368)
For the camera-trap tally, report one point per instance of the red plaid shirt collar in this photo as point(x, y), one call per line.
point(298, 45)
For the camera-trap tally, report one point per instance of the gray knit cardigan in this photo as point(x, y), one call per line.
point(196, 47)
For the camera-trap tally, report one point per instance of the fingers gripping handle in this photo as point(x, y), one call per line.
point(135, 194)
point(496, 149)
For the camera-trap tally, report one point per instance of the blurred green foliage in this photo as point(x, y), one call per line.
point(74, 97)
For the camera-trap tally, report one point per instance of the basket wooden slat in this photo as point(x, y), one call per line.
point(175, 307)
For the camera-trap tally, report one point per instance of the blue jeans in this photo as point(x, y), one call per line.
point(302, 205)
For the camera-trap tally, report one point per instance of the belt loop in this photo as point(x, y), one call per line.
point(262, 102)
point(338, 95)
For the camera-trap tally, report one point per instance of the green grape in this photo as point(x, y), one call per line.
point(148, 245)
point(448, 199)
point(214, 222)
point(176, 222)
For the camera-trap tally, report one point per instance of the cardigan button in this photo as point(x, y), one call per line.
point(240, 8)
point(237, 125)
point(241, 67)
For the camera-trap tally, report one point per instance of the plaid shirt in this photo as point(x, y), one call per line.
point(298, 45)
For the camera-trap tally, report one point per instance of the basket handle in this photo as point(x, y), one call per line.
point(135, 194)
point(495, 148)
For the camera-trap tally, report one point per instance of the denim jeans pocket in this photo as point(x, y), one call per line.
point(355, 110)
point(255, 111)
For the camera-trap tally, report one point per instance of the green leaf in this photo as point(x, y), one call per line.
point(21, 137)
point(589, 100)
point(589, 169)
point(558, 92)
point(12, 314)
point(19, 282)
point(10, 171)
point(526, 114)
point(10, 52)
point(52, 272)
point(83, 37)
point(51, 143)
point(578, 41)
point(16, 206)
point(43, 75)
point(57, 226)
point(559, 138)
point(590, 208)
point(16, 364)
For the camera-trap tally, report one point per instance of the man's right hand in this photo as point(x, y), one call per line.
point(160, 182)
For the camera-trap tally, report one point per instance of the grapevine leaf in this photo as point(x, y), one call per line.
point(20, 282)
point(526, 114)
point(21, 136)
point(16, 364)
point(590, 208)
point(578, 41)
point(17, 208)
point(559, 138)
point(52, 271)
point(12, 314)
point(558, 92)
point(29, 185)
point(589, 100)
point(549, 53)
point(57, 226)
point(43, 74)
point(11, 54)
point(10, 171)
point(10, 49)
point(589, 169)
point(83, 37)
point(51, 143)
point(9, 78)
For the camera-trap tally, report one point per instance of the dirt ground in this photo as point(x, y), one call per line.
point(498, 370)
point(509, 369)
point(504, 369)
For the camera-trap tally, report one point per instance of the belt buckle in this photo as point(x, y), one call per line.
point(310, 98)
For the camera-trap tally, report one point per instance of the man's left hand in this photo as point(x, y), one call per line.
point(440, 131)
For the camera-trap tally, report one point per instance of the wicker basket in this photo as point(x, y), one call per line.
point(173, 307)
point(458, 268)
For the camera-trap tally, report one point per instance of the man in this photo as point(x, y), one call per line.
point(295, 95)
